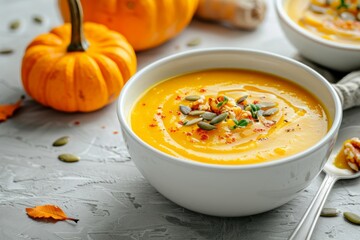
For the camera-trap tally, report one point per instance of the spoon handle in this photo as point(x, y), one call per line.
point(307, 223)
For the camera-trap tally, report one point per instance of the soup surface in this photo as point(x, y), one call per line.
point(228, 116)
point(334, 20)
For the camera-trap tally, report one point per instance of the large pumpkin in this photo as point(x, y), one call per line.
point(144, 23)
point(67, 72)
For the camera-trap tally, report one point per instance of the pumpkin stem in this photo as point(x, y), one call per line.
point(78, 42)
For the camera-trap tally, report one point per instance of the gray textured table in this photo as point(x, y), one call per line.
point(104, 189)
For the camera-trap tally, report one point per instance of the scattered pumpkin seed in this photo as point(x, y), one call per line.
point(259, 113)
point(185, 109)
point(192, 97)
point(208, 115)
point(206, 126)
point(329, 212)
point(196, 113)
point(192, 121)
point(347, 16)
point(219, 118)
point(352, 217)
point(243, 98)
point(270, 111)
point(241, 106)
point(194, 42)
point(266, 104)
point(317, 9)
point(37, 19)
point(14, 25)
point(67, 157)
point(6, 51)
point(61, 141)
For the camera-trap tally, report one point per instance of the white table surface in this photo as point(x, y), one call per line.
point(105, 190)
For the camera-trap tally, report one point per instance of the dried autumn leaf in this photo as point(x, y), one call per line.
point(7, 110)
point(48, 211)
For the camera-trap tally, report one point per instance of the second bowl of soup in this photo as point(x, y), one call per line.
point(325, 32)
point(229, 132)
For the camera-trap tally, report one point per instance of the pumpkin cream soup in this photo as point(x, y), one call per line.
point(336, 20)
point(228, 116)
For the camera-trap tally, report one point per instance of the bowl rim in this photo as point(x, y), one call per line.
point(279, 6)
point(125, 126)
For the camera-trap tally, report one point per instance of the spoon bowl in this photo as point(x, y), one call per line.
point(330, 168)
point(306, 225)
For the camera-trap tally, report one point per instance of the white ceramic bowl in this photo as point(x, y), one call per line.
point(219, 189)
point(337, 56)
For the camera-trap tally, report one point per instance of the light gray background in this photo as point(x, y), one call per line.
point(105, 190)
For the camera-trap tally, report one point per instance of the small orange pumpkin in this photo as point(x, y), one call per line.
point(63, 70)
point(144, 23)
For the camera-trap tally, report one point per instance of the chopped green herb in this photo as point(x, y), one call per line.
point(240, 124)
point(343, 4)
point(253, 109)
point(223, 102)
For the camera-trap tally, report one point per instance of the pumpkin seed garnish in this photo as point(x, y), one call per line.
point(194, 42)
point(196, 113)
point(243, 98)
point(208, 115)
point(192, 121)
point(67, 157)
point(6, 51)
point(329, 212)
point(241, 106)
point(259, 113)
point(192, 97)
point(219, 118)
point(37, 19)
point(206, 126)
point(266, 104)
point(61, 141)
point(185, 109)
point(317, 9)
point(270, 111)
point(14, 25)
point(347, 16)
point(352, 217)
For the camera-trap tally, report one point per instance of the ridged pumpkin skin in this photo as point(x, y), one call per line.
point(144, 23)
point(77, 81)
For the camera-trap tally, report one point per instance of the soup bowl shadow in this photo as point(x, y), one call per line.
point(334, 55)
point(222, 190)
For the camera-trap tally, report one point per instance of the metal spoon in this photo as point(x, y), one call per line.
point(306, 225)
